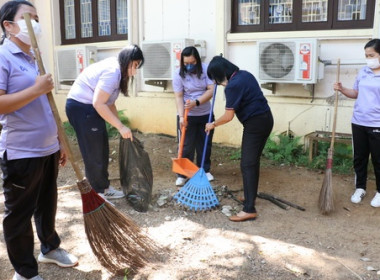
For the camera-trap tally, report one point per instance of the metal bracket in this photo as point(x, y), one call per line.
point(270, 86)
point(157, 83)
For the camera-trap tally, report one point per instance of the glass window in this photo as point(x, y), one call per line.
point(87, 21)
point(280, 11)
point(69, 19)
point(314, 10)
point(352, 9)
point(249, 12)
point(122, 16)
point(292, 15)
point(104, 18)
point(86, 18)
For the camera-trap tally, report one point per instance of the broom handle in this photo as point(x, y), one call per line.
point(209, 120)
point(61, 132)
point(335, 106)
point(183, 132)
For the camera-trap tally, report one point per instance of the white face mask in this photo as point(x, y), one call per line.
point(373, 63)
point(23, 34)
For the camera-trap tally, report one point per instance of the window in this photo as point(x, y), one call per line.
point(87, 21)
point(292, 15)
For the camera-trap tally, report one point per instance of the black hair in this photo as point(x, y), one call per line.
point(375, 44)
point(191, 51)
point(126, 56)
point(220, 69)
point(8, 12)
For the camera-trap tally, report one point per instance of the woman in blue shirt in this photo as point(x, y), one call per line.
point(244, 99)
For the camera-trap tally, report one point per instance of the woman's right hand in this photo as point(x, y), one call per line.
point(44, 83)
point(338, 86)
point(125, 132)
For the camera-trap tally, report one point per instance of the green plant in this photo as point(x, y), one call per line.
point(284, 149)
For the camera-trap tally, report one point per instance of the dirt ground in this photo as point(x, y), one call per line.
point(280, 244)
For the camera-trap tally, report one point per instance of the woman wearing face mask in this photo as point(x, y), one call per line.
point(91, 103)
point(365, 121)
point(29, 148)
point(191, 84)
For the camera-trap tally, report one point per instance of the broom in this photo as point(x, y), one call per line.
point(197, 193)
point(116, 241)
point(326, 195)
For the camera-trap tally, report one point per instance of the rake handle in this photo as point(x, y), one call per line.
point(209, 120)
point(335, 107)
point(183, 132)
point(61, 132)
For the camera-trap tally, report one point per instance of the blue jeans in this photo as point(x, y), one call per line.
point(92, 136)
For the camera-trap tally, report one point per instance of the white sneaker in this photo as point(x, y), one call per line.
point(60, 257)
point(358, 195)
point(375, 202)
point(19, 277)
point(209, 176)
point(111, 193)
point(180, 181)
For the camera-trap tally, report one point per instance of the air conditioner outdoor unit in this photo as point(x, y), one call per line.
point(162, 58)
point(71, 62)
point(288, 61)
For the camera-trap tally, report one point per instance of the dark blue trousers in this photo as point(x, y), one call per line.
point(195, 140)
point(255, 134)
point(30, 189)
point(92, 136)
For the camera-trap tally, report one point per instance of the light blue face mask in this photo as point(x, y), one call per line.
point(190, 68)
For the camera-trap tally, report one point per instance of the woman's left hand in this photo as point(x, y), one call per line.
point(125, 132)
point(190, 104)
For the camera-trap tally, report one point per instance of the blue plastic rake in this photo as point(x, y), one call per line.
point(197, 194)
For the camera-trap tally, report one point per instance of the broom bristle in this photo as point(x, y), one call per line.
point(197, 193)
point(326, 195)
point(116, 241)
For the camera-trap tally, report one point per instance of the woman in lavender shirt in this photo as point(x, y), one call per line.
point(366, 121)
point(29, 148)
point(190, 82)
point(91, 102)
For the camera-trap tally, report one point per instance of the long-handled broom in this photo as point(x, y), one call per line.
point(326, 195)
point(197, 193)
point(116, 241)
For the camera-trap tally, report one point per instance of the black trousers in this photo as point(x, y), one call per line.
point(255, 134)
point(366, 141)
point(30, 189)
point(195, 140)
point(92, 136)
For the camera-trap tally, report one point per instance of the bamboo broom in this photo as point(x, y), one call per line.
point(116, 241)
point(326, 195)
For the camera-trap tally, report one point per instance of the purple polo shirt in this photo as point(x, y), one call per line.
point(367, 104)
point(104, 75)
point(30, 131)
point(192, 89)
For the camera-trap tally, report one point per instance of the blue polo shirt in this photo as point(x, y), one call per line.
point(244, 95)
point(30, 131)
point(367, 104)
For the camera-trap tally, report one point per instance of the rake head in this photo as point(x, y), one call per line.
point(197, 194)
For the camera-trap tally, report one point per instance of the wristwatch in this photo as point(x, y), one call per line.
point(197, 102)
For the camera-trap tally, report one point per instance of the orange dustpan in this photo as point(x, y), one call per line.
point(181, 165)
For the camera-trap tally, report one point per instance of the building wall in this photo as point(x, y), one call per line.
point(152, 109)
